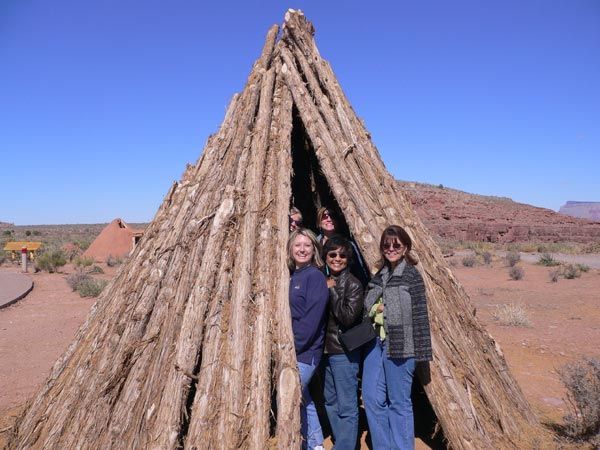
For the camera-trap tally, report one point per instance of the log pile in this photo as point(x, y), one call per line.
point(191, 344)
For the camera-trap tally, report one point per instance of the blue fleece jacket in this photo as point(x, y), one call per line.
point(308, 303)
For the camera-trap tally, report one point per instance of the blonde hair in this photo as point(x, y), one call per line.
point(316, 258)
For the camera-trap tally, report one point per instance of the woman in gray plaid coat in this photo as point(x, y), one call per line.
point(397, 305)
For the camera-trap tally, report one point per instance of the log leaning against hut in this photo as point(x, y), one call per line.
point(191, 344)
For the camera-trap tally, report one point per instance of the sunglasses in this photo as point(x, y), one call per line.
point(295, 222)
point(334, 255)
point(394, 245)
point(327, 215)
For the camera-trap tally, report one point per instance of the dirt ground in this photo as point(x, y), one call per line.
point(565, 326)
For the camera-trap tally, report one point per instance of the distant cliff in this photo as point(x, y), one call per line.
point(583, 210)
point(454, 214)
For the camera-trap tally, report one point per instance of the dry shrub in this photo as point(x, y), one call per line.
point(112, 261)
point(516, 273)
point(487, 257)
point(570, 272)
point(554, 275)
point(546, 259)
point(76, 279)
point(582, 381)
point(583, 267)
point(469, 261)
point(511, 315)
point(512, 258)
point(91, 287)
point(96, 269)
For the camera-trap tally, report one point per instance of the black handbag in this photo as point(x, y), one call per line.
point(358, 335)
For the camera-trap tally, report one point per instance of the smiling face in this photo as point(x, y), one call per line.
point(327, 223)
point(393, 250)
point(302, 251)
point(337, 260)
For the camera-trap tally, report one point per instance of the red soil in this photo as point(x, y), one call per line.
point(565, 326)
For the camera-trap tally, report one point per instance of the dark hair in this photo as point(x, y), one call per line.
point(336, 241)
point(396, 231)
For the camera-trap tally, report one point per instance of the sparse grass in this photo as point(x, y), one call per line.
point(75, 279)
point(571, 272)
point(91, 287)
point(554, 275)
point(546, 259)
point(582, 382)
point(512, 315)
point(512, 258)
point(516, 273)
point(469, 261)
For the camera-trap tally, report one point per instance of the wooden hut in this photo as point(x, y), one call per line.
point(191, 344)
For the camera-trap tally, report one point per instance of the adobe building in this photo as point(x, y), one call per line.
point(117, 239)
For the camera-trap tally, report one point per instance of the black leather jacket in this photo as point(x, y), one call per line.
point(345, 309)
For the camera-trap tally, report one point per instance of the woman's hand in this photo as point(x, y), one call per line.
point(330, 282)
point(380, 308)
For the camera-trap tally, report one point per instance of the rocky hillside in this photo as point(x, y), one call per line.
point(458, 215)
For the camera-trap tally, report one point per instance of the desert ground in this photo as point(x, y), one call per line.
point(564, 326)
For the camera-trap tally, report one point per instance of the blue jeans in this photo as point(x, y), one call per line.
point(341, 397)
point(386, 387)
point(310, 426)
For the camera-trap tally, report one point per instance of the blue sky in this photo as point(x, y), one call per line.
point(102, 103)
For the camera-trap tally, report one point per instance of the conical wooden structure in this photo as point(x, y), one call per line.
point(191, 344)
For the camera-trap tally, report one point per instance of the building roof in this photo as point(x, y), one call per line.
point(16, 246)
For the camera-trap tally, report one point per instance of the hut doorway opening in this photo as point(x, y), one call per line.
point(310, 191)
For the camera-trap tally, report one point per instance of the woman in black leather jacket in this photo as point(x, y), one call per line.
point(341, 366)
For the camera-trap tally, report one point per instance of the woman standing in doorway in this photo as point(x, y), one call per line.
point(341, 365)
point(397, 304)
point(308, 303)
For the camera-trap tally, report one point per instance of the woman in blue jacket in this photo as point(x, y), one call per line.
point(308, 304)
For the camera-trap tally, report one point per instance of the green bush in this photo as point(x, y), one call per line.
point(469, 261)
point(546, 259)
point(570, 272)
point(7, 233)
point(36, 232)
point(91, 287)
point(516, 273)
point(83, 262)
point(512, 258)
point(28, 233)
point(51, 260)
